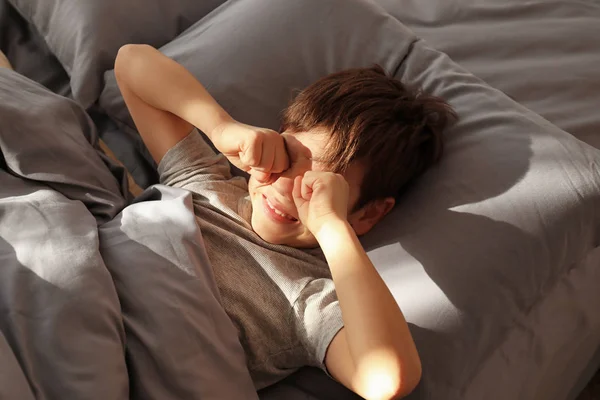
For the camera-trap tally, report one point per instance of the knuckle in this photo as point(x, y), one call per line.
point(271, 134)
point(331, 177)
point(251, 157)
point(256, 137)
point(278, 168)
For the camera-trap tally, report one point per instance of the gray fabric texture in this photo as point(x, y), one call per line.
point(30, 56)
point(28, 52)
point(181, 344)
point(98, 301)
point(543, 54)
point(282, 300)
point(493, 255)
point(498, 236)
point(86, 35)
point(305, 40)
point(60, 311)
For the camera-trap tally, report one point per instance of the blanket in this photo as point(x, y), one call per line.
point(100, 298)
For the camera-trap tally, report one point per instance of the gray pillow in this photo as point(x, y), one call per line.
point(86, 35)
point(494, 254)
point(253, 54)
point(492, 249)
point(529, 38)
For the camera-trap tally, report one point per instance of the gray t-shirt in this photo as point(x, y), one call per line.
point(281, 299)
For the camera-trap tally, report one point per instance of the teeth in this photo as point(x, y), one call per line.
point(282, 214)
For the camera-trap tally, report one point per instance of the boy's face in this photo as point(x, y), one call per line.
point(274, 214)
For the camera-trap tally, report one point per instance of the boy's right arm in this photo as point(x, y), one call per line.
point(166, 101)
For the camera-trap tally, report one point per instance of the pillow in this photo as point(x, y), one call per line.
point(528, 38)
point(493, 255)
point(299, 42)
point(86, 35)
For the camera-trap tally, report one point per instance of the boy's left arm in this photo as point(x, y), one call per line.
point(374, 354)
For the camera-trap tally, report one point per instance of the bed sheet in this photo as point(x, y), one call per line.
point(544, 54)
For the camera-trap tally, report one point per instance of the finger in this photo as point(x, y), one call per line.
point(251, 151)
point(267, 157)
point(297, 190)
point(299, 202)
point(282, 160)
point(260, 176)
point(308, 182)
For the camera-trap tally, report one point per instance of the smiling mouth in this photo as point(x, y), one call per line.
point(279, 215)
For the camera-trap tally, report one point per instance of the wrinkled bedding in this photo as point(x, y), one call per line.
point(28, 52)
point(544, 54)
point(481, 252)
point(494, 257)
point(99, 301)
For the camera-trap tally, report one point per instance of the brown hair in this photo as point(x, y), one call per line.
point(375, 119)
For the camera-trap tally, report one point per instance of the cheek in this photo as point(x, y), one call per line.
point(251, 183)
point(284, 185)
point(253, 186)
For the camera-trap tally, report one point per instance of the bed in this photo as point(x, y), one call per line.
point(493, 256)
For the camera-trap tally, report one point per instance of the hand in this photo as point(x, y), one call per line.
point(320, 197)
point(258, 151)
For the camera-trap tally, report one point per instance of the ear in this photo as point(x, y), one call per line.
point(365, 218)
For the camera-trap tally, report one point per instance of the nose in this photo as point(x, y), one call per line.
point(284, 184)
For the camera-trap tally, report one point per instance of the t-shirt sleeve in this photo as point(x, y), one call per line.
point(320, 319)
point(192, 160)
point(193, 165)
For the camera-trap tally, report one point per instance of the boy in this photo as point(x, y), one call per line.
point(349, 144)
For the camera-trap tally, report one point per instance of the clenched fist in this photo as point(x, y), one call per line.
point(259, 151)
point(320, 197)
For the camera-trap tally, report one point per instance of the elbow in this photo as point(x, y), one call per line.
point(127, 60)
point(408, 380)
point(394, 382)
point(405, 382)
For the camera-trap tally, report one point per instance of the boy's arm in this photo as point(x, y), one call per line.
point(166, 101)
point(374, 354)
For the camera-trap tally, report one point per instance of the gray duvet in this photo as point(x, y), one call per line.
point(98, 301)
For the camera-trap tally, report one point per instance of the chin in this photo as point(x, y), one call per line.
point(268, 236)
point(271, 235)
point(275, 232)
